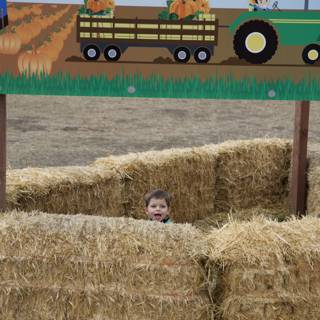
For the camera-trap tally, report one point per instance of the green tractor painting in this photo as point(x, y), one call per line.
point(258, 33)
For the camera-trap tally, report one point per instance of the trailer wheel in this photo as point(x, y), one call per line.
point(255, 41)
point(182, 54)
point(112, 53)
point(202, 55)
point(91, 52)
point(311, 54)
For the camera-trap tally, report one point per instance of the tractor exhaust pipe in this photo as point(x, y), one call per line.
point(306, 5)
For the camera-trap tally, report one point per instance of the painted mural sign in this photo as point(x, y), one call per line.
point(186, 49)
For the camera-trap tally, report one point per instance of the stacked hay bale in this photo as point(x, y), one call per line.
point(238, 178)
point(253, 174)
point(65, 190)
point(251, 181)
point(268, 270)
point(188, 174)
point(86, 267)
point(209, 183)
point(313, 197)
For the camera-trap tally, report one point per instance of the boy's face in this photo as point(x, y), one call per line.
point(157, 209)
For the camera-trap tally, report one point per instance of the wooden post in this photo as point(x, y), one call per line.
point(3, 138)
point(299, 158)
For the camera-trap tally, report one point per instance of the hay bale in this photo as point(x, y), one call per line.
point(313, 181)
point(86, 267)
point(99, 303)
point(252, 173)
point(83, 272)
point(217, 220)
point(188, 174)
point(268, 270)
point(68, 190)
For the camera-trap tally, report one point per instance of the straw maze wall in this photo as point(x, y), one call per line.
point(266, 270)
point(88, 267)
point(206, 182)
point(91, 267)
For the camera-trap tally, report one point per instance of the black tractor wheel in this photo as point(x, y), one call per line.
point(255, 41)
point(202, 55)
point(112, 53)
point(182, 55)
point(91, 52)
point(311, 54)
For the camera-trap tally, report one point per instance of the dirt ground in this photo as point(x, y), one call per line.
point(62, 131)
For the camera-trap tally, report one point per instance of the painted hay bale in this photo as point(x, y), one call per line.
point(188, 174)
point(252, 173)
point(90, 267)
point(268, 270)
point(313, 178)
point(66, 190)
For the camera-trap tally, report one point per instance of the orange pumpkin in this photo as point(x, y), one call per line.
point(27, 31)
point(23, 33)
point(10, 43)
point(183, 8)
point(203, 5)
point(34, 63)
point(34, 30)
point(99, 5)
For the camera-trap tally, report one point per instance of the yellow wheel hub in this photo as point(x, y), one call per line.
point(313, 55)
point(256, 42)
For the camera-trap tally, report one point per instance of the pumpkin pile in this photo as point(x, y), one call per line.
point(184, 9)
point(17, 13)
point(15, 37)
point(100, 7)
point(38, 61)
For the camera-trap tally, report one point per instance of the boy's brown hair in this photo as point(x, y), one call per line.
point(158, 194)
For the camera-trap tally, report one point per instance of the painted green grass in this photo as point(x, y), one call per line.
point(157, 87)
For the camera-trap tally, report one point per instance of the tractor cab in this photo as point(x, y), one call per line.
point(3, 14)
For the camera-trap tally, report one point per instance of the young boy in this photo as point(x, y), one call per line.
point(157, 206)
